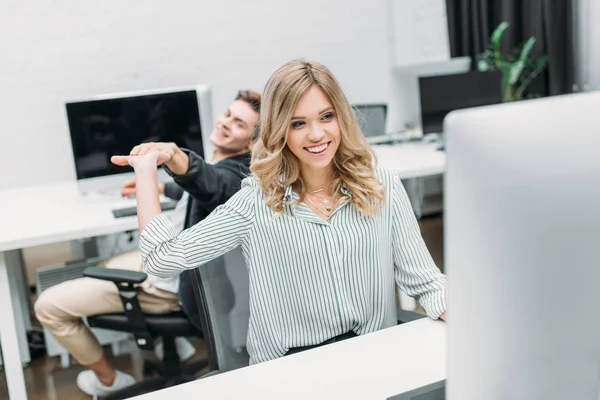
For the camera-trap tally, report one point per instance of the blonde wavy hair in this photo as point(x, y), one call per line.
point(276, 167)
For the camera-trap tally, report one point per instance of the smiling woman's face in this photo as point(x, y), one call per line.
point(314, 133)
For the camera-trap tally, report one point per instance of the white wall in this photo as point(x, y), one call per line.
point(53, 51)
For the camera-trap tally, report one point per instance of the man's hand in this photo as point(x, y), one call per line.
point(169, 148)
point(129, 188)
point(176, 160)
point(149, 160)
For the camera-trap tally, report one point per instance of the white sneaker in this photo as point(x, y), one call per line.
point(185, 349)
point(88, 382)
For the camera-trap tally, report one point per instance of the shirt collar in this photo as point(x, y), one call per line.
point(290, 195)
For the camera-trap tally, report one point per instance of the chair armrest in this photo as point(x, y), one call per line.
point(407, 316)
point(125, 280)
point(115, 275)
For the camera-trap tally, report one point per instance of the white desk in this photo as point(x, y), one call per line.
point(56, 213)
point(412, 160)
point(35, 216)
point(374, 366)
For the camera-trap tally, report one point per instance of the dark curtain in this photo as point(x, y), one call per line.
point(471, 22)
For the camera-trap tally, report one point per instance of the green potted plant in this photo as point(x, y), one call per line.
point(518, 71)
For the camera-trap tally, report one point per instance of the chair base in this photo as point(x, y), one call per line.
point(151, 367)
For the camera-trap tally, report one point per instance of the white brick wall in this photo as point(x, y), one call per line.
point(53, 51)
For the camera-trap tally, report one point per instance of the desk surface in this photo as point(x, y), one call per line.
point(54, 213)
point(412, 160)
point(374, 366)
point(38, 215)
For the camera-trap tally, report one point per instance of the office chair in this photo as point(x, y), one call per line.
point(222, 293)
point(221, 288)
point(146, 328)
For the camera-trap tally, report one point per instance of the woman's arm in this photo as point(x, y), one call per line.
point(210, 185)
point(166, 254)
point(416, 272)
point(146, 178)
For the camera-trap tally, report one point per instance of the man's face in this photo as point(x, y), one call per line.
point(234, 128)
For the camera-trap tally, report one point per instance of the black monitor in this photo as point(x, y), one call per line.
point(101, 128)
point(444, 93)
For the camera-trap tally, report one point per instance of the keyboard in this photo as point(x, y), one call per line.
point(434, 391)
point(131, 211)
point(390, 138)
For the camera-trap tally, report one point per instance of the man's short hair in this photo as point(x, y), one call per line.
point(253, 99)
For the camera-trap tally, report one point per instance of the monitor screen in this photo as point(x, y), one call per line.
point(371, 118)
point(444, 93)
point(102, 128)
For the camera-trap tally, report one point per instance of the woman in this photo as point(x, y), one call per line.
point(324, 232)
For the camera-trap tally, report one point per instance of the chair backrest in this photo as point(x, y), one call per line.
point(222, 294)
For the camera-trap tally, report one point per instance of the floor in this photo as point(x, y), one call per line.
point(47, 380)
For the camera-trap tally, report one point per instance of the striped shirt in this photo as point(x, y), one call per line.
point(310, 279)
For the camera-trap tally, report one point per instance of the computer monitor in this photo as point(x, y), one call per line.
point(371, 118)
point(441, 94)
point(112, 124)
point(522, 250)
point(404, 103)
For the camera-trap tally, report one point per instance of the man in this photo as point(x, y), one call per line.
point(210, 185)
point(61, 308)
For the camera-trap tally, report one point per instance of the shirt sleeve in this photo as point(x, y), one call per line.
point(416, 272)
point(166, 254)
point(173, 191)
point(209, 184)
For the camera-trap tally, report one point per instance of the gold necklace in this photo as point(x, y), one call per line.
point(327, 214)
point(324, 200)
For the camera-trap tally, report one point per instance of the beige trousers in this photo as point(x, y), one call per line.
point(60, 308)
